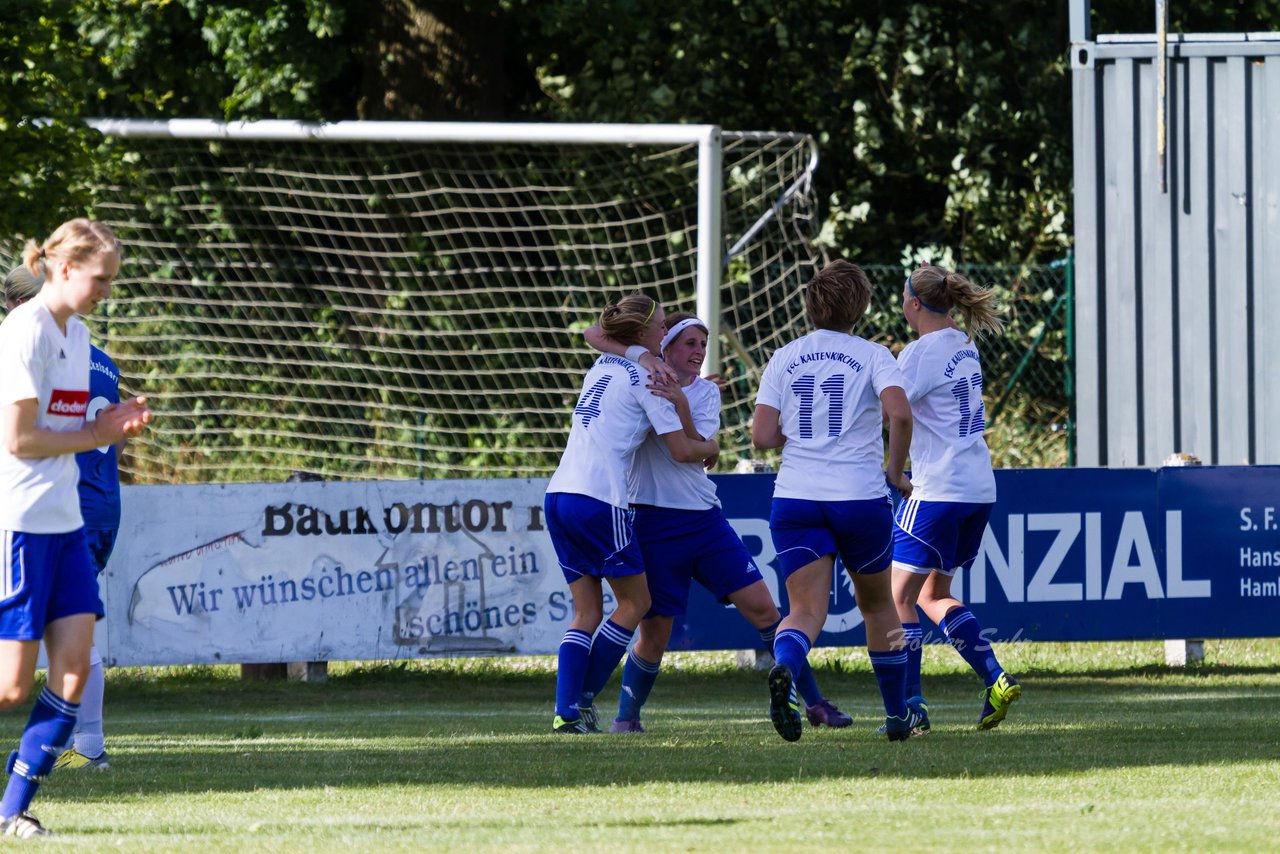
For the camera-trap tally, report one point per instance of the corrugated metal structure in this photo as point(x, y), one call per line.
point(1177, 250)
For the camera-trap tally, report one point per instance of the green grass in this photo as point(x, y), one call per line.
point(1108, 749)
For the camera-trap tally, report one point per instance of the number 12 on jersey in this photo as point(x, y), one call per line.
point(832, 388)
point(972, 418)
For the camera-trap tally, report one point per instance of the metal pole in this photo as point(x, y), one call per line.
point(710, 250)
point(1080, 30)
point(1069, 381)
point(1162, 96)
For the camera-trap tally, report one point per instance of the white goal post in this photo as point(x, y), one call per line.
point(238, 233)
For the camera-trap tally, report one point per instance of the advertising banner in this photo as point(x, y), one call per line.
point(408, 569)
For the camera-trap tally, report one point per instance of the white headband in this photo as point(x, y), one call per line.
point(674, 332)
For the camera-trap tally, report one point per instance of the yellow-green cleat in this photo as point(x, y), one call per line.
point(72, 758)
point(997, 699)
point(573, 727)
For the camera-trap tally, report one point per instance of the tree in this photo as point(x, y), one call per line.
point(45, 148)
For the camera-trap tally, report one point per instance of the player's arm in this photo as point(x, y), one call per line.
point(898, 413)
point(674, 393)
point(657, 368)
point(23, 439)
point(766, 428)
point(687, 450)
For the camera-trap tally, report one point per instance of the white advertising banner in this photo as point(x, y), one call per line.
point(329, 571)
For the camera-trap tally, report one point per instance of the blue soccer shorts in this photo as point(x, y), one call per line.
point(45, 577)
point(680, 546)
point(861, 532)
point(592, 537)
point(938, 536)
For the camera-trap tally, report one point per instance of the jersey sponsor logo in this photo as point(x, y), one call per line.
point(68, 403)
point(103, 369)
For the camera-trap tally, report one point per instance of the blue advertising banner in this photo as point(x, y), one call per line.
point(1072, 555)
point(418, 569)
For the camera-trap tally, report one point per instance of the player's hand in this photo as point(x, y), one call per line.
point(670, 391)
point(122, 420)
point(721, 381)
point(902, 484)
point(659, 371)
point(710, 462)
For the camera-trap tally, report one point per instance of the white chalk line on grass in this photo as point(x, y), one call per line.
point(870, 708)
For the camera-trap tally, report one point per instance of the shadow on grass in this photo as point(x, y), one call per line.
point(412, 733)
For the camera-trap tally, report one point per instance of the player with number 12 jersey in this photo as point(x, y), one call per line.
point(939, 529)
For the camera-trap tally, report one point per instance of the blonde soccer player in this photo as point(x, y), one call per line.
point(820, 401)
point(939, 529)
point(48, 587)
point(684, 536)
point(588, 512)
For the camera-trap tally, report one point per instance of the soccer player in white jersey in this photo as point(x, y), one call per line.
point(684, 536)
point(939, 529)
point(100, 506)
point(820, 400)
point(588, 512)
point(48, 587)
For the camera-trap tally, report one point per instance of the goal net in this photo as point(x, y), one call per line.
point(392, 309)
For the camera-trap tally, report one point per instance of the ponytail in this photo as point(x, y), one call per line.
point(977, 306)
point(944, 291)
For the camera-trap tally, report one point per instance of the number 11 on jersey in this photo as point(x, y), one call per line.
point(833, 392)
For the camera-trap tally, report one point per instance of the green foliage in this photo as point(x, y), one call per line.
point(936, 129)
point(239, 60)
point(45, 149)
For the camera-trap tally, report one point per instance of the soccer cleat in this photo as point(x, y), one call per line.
point(626, 726)
point(72, 758)
point(900, 729)
point(997, 699)
point(784, 708)
point(23, 826)
point(917, 704)
point(573, 727)
point(921, 708)
point(825, 713)
point(590, 718)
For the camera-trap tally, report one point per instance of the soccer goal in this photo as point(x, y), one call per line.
point(391, 299)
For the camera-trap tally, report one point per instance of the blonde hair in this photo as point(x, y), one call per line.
point(837, 296)
point(944, 291)
point(21, 284)
point(626, 320)
point(76, 240)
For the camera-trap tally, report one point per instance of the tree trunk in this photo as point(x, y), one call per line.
point(438, 60)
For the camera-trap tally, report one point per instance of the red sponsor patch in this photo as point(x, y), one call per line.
point(68, 403)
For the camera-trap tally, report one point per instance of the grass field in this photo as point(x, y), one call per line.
point(1108, 749)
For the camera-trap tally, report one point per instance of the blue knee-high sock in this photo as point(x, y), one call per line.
point(914, 639)
point(638, 676)
point(607, 649)
point(891, 674)
point(965, 633)
point(805, 683)
point(807, 686)
point(575, 649)
point(50, 725)
point(791, 647)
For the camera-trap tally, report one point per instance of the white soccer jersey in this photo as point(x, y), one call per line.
point(659, 480)
point(38, 361)
point(827, 387)
point(614, 414)
point(949, 457)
